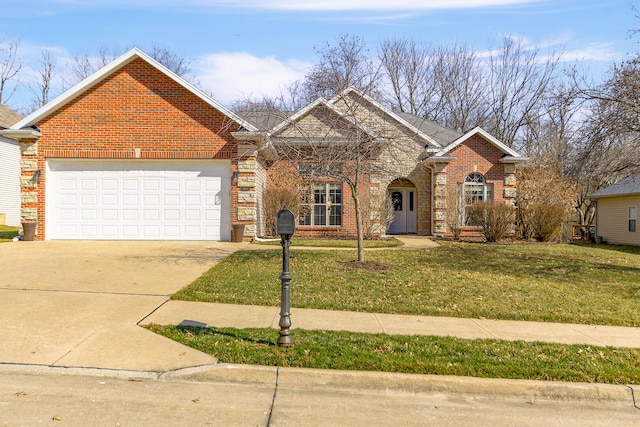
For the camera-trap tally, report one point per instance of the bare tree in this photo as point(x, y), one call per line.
point(519, 78)
point(608, 148)
point(11, 64)
point(411, 74)
point(442, 84)
point(345, 142)
point(341, 65)
point(85, 65)
point(173, 61)
point(43, 85)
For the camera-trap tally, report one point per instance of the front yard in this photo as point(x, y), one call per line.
point(597, 284)
point(591, 284)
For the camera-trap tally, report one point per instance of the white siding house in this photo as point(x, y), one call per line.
point(617, 208)
point(9, 171)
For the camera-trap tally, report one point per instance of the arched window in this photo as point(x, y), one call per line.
point(474, 189)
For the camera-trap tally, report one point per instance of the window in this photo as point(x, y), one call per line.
point(326, 209)
point(396, 200)
point(474, 189)
point(633, 217)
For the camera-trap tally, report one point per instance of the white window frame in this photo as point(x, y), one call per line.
point(632, 219)
point(329, 202)
point(473, 189)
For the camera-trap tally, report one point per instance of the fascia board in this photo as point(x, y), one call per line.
point(486, 136)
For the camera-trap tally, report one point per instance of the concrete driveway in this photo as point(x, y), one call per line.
point(77, 303)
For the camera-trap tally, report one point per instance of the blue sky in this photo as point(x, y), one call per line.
point(254, 47)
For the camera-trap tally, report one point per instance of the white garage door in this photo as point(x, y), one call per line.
point(138, 200)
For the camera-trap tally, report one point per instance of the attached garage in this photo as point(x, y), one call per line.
point(138, 200)
point(135, 152)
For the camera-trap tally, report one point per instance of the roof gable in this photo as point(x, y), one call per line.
point(315, 107)
point(510, 153)
point(109, 70)
point(353, 92)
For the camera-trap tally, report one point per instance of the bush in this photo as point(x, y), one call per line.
point(275, 198)
point(495, 219)
point(544, 222)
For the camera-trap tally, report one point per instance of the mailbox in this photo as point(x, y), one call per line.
point(285, 222)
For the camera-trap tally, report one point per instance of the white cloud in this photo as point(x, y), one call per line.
point(328, 5)
point(604, 52)
point(316, 5)
point(233, 76)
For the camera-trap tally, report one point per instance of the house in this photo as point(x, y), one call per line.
point(430, 173)
point(9, 171)
point(136, 152)
point(617, 212)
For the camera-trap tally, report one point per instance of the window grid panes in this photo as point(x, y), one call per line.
point(633, 217)
point(327, 206)
point(474, 189)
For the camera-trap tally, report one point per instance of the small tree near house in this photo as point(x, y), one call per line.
point(285, 187)
point(454, 224)
point(343, 142)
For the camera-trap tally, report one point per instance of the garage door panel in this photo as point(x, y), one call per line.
point(130, 185)
point(134, 200)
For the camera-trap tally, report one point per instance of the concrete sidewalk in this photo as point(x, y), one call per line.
point(226, 315)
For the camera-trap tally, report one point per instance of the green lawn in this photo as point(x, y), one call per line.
point(591, 284)
point(7, 233)
point(596, 284)
point(415, 354)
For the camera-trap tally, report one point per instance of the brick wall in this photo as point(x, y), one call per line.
point(135, 113)
point(474, 155)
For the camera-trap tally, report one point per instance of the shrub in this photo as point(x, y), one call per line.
point(275, 198)
point(544, 222)
point(495, 219)
point(284, 188)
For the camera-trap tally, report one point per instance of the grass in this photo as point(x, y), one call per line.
point(7, 233)
point(590, 284)
point(415, 354)
point(336, 243)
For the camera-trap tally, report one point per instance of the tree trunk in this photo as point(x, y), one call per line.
point(359, 228)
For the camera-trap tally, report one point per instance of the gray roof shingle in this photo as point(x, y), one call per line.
point(8, 117)
point(441, 134)
point(625, 187)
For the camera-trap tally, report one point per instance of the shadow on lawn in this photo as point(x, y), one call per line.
point(241, 335)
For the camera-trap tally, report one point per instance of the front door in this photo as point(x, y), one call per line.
point(404, 211)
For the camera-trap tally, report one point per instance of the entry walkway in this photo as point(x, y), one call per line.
point(244, 316)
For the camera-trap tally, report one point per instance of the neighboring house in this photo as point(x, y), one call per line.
point(136, 152)
point(9, 171)
point(617, 212)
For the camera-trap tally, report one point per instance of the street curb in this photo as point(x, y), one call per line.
point(360, 381)
point(363, 381)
